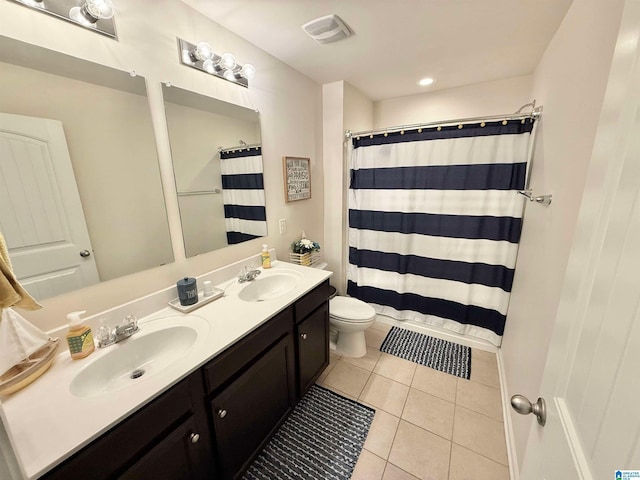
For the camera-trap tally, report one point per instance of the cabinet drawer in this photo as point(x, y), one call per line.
point(234, 358)
point(123, 444)
point(311, 301)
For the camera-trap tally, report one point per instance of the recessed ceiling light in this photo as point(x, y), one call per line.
point(426, 81)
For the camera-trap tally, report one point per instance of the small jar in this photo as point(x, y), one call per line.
point(187, 291)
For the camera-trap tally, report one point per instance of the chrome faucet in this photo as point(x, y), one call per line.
point(247, 274)
point(128, 327)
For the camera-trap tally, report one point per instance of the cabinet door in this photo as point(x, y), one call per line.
point(313, 347)
point(128, 442)
point(249, 409)
point(176, 457)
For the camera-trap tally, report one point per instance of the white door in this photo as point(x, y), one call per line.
point(591, 382)
point(41, 215)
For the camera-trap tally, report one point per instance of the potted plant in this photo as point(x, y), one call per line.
point(305, 252)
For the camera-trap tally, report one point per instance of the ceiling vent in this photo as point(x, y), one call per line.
point(327, 29)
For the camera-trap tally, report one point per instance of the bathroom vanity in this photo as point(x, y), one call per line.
point(208, 422)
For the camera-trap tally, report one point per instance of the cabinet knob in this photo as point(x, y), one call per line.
point(222, 413)
point(303, 336)
point(194, 437)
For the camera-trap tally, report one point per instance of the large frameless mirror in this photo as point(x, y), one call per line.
point(81, 198)
point(217, 160)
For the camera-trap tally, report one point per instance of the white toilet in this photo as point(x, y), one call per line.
point(350, 317)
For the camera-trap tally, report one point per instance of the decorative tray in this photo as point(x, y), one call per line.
point(202, 300)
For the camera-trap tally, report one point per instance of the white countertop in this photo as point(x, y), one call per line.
point(46, 423)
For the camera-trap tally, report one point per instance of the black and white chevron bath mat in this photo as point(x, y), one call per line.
point(321, 439)
point(431, 352)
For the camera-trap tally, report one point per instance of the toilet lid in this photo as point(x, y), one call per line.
point(350, 309)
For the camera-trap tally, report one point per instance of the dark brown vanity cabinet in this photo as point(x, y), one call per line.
point(211, 424)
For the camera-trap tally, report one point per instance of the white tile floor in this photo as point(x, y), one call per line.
point(428, 424)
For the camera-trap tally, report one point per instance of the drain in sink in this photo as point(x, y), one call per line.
point(137, 373)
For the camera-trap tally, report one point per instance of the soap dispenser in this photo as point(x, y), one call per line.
point(80, 337)
point(266, 257)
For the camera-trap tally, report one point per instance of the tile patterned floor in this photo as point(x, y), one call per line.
point(428, 425)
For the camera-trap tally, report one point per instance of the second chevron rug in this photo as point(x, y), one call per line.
point(431, 352)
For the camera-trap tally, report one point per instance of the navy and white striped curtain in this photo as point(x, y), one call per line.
point(243, 194)
point(435, 221)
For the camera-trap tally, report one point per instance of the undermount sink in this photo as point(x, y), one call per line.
point(140, 356)
point(271, 286)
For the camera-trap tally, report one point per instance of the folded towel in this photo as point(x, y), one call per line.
point(11, 292)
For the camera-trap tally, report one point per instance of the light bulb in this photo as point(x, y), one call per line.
point(78, 16)
point(100, 8)
point(228, 61)
point(426, 81)
point(91, 11)
point(209, 66)
point(203, 51)
point(248, 71)
point(229, 75)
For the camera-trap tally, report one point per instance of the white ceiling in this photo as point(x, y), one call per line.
point(458, 42)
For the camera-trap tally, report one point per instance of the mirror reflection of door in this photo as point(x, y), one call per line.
point(41, 215)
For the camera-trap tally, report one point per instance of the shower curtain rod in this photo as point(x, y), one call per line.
point(239, 147)
point(537, 111)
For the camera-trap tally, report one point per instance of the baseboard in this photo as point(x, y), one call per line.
point(514, 471)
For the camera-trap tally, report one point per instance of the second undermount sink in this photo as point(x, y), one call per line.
point(271, 286)
point(155, 348)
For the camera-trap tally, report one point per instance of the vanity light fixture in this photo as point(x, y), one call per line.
point(202, 57)
point(96, 15)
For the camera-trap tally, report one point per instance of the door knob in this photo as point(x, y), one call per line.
point(222, 413)
point(194, 437)
point(303, 336)
point(85, 253)
point(523, 406)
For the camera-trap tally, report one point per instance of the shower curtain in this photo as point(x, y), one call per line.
point(435, 221)
point(243, 194)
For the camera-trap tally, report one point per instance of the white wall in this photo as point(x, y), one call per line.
point(481, 99)
point(570, 82)
point(344, 108)
point(290, 116)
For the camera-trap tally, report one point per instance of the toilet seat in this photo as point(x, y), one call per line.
point(348, 309)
